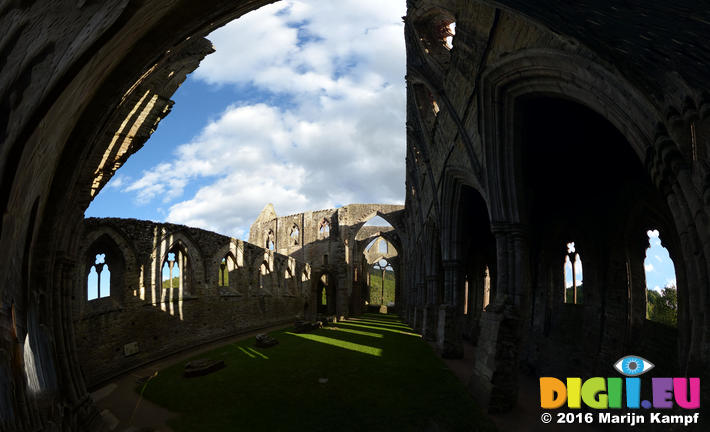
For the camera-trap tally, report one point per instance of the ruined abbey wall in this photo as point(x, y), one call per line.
point(333, 242)
point(144, 318)
point(83, 84)
point(493, 199)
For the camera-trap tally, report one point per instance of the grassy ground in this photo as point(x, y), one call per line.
point(380, 377)
point(376, 287)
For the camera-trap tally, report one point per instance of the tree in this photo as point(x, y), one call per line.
point(663, 307)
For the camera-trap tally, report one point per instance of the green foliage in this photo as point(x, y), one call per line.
point(569, 294)
point(225, 275)
point(175, 283)
point(380, 377)
point(663, 307)
point(376, 287)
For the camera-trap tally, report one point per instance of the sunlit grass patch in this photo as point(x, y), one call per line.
point(365, 349)
point(347, 377)
point(357, 332)
point(376, 328)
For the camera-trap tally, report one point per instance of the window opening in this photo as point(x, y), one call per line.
point(573, 293)
point(324, 229)
point(661, 284)
point(99, 278)
point(294, 234)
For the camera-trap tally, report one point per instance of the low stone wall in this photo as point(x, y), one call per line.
point(142, 320)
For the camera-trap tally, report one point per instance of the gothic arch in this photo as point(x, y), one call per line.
point(193, 274)
point(551, 73)
point(590, 84)
point(120, 260)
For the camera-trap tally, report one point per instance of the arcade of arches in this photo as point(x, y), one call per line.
point(535, 125)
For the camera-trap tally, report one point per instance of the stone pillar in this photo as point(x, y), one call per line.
point(494, 382)
point(450, 325)
point(419, 308)
point(616, 334)
point(342, 299)
point(431, 310)
point(476, 294)
point(418, 319)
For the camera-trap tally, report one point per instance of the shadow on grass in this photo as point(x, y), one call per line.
point(380, 324)
point(378, 379)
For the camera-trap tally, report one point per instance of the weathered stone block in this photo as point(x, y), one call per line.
point(449, 336)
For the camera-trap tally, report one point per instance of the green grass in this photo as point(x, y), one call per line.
point(376, 287)
point(381, 377)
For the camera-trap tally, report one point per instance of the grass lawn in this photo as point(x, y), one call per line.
point(381, 377)
point(376, 287)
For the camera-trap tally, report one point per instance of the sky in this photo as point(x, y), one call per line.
point(301, 105)
point(660, 271)
point(659, 267)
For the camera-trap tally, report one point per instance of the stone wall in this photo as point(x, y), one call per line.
point(333, 242)
point(69, 70)
point(144, 318)
point(475, 199)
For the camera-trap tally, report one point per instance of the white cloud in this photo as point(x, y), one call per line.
point(578, 269)
point(653, 233)
point(118, 181)
point(334, 135)
point(648, 267)
point(660, 260)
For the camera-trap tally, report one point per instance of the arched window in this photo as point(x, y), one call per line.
point(450, 32)
point(486, 288)
point(174, 270)
point(573, 276)
point(270, 240)
point(381, 283)
point(323, 293)
point(383, 246)
point(436, 31)
point(227, 265)
point(98, 282)
point(324, 229)
point(661, 284)
point(264, 271)
point(465, 296)
point(294, 234)
point(103, 270)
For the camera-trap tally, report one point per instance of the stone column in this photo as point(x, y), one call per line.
point(431, 311)
point(450, 325)
point(495, 377)
point(476, 294)
point(616, 333)
point(342, 298)
point(419, 308)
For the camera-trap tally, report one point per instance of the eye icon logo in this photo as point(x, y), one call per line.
point(632, 365)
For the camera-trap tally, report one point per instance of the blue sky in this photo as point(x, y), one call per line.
point(660, 270)
point(300, 105)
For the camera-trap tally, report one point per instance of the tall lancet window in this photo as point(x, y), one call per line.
point(573, 276)
point(99, 278)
